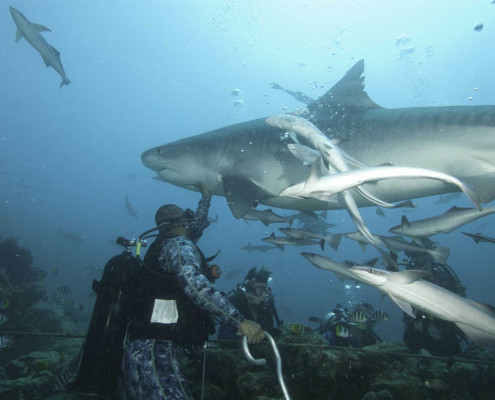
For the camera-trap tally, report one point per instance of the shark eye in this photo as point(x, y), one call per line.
point(160, 151)
point(370, 270)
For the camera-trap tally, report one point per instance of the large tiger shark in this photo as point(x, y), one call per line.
point(250, 163)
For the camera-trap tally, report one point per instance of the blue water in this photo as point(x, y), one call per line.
point(143, 76)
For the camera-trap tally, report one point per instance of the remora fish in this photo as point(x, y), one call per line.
point(477, 237)
point(267, 217)
point(281, 241)
point(397, 243)
point(407, 289)
point(249, 248)
point(323, 187)
point(31, 32)
point(250, 163)
point(332, 240)
point(446, 223)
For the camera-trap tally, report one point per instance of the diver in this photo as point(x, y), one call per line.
point(351, 328)
point(254, 299)
point(439, 337)
point(148, 312)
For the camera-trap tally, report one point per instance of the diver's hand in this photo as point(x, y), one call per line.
point(203, 189)
point(252, 330)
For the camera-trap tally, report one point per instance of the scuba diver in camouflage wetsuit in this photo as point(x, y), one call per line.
point(181, 300)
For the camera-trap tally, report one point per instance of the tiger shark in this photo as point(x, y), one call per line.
point(250, 163)
point(31, 32)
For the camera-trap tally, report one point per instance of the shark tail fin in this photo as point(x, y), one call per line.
point(65, 81)
point(440, 253)
point(333, 241)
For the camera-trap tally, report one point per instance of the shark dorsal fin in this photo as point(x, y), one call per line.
point(40, 28)
point(488, 308)
point(348, 92)
point(404, 221)
point(407, 276)
point(315, 172)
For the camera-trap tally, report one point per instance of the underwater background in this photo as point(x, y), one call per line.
point(147, 73)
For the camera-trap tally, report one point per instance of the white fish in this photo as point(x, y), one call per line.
point(407, 289)
point(398, 243)
point(323, 187)
point(445, 223)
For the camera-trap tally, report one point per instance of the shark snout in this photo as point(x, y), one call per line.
point(15, 13)
point(153, 159)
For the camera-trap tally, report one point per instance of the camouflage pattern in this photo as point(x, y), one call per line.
point(151, 371)
point(149, 368)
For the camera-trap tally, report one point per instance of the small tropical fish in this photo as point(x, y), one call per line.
point(5, 342)
point(63, 381)
point(40, 365)
point(342, 331)
point(296, 328)
point(3, 319)
point(64, 289)
point(380, 315)
point(436, 384)
point(4, 303)
point(360, 316)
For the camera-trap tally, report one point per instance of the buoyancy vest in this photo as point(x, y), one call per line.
point(155, 288)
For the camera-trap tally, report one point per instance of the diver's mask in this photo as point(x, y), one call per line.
point(189, 220)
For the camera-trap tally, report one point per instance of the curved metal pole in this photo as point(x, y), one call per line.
point(262, 361)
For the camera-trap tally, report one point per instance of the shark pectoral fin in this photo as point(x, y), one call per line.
point(18, 35)
point(55, 51)
point(40, 28)
point(476, 335)
point(403, 305)
point(488, 308)
point(242, 194)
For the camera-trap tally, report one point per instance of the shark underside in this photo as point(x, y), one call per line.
point(250, 163)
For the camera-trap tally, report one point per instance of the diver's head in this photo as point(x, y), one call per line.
point(172, 220)
point(256, 285)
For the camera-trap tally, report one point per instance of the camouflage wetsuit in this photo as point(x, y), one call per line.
point(150, 368)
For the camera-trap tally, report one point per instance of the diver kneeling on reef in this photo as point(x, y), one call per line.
point(168, 303)
point(254, 299)
point(351, 328)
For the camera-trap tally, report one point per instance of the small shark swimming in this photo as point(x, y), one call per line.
point(407, 289)
point(250, 163)
point(31, 32)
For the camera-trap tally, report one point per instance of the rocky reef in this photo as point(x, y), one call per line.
point(39, 345)
point(314, 370)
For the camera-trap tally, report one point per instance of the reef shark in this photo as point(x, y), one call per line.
point(407, 289)
point(31, 32)
point(250, 162)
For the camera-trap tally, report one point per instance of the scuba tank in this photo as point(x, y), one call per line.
point(99, 365)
